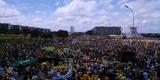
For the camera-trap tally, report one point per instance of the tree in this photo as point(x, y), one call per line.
point(62, 33)
point(77, 33)
point(90, 32)
point(47, 35)
point(35, 33)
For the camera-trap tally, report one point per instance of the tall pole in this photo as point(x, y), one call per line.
point(131, 12)
point(133, 17)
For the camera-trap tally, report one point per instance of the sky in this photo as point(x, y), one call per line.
point(82, 14)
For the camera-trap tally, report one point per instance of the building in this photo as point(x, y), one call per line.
point(44, 30)
point(72, 30)
point(133, 33)
point(106, 31)
point(4, 27)
point(14, 29)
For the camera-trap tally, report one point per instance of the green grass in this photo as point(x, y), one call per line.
point(12, 36)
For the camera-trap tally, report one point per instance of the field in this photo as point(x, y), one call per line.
point(12, 36)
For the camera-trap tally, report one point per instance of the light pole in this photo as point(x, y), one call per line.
point(131, 11)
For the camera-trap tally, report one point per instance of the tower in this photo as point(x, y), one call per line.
point(9, 26)
point(133, 33)
point(20, 28)
point(72, 30)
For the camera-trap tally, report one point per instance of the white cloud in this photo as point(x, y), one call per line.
point(85, 14)
point(10, 14)
point(2, 3)
point(80, 13)
point(93, 12)
point(148, 11)
point(77, 7)
point(7, 11)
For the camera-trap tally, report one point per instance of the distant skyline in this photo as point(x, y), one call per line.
point(82, 14)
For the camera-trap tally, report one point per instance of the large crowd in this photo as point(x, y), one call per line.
point(91, 57)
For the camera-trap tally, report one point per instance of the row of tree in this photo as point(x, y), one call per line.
point(60, 33)
point(154, 35)
point(8, 29)
point(34, 33)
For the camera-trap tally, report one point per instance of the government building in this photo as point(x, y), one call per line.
point(106, 31)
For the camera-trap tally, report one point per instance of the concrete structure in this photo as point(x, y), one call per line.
point(4, 27)
point(43, 30)
point(8, 28)
point(106, 31)
point(15, 27)
point(72, 30)
point(133, 33)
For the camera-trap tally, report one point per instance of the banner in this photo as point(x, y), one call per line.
point(1, 70)
point(49, 48)
point(57, 76)
point(21, 62)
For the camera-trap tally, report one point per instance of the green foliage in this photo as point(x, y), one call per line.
point(154, 35)
point(62, 33)
point(35, 33)
point(47, 35)
point(89, 32)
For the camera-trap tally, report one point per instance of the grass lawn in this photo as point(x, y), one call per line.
point(12, 36)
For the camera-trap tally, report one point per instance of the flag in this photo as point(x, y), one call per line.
point(57, 76)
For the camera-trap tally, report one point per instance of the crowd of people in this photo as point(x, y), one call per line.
point(92, 58)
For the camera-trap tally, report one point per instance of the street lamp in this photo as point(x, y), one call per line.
point(131, 11)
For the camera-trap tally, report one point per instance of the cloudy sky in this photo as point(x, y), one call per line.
point(82, 14)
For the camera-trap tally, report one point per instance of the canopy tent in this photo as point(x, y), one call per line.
point(22, 62)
